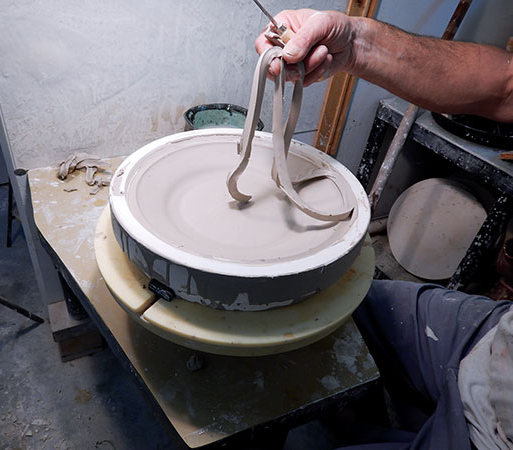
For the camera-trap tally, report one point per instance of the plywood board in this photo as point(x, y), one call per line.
point(230, 394)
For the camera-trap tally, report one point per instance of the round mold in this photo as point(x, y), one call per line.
point(231, 333)
point(431, 226)
point(174, 218)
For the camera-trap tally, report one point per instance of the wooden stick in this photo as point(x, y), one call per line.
point(507, 156)
point(339, 93)
point(456, 19)
point(393, 151)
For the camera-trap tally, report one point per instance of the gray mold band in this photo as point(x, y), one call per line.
point(174, 218)
point(232, 292)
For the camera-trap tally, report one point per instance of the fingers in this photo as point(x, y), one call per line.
point(293, 73)
point(320, 73)
point(319, 57)
point(262, 43)
point(274, 68)
point(311, 44)
point(313, 31)
point(292, 20)
point(316, 58)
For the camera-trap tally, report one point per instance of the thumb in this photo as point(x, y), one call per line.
point(311, 33)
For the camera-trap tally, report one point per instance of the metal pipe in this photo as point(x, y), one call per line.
point(20, 310)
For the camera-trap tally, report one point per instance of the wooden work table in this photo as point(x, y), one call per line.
point(231, 398)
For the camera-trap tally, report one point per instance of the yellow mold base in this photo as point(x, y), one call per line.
point(232, 333)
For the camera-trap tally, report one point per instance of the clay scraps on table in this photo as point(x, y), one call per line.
point(91, 164)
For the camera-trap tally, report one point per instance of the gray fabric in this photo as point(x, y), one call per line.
point(501, 375)
point(486, 387)
point(418, 334)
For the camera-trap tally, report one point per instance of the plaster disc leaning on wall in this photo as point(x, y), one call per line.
point(431, 225)
point(173, 216)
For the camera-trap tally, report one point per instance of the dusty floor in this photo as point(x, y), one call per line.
point(89, 403)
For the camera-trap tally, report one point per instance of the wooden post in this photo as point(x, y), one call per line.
point(340, 91)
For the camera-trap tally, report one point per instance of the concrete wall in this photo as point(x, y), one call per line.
point(108, 77)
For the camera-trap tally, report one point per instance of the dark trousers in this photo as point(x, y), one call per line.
point(418, 334)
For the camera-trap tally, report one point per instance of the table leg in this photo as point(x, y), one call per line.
point(74, 307)
point(492, 228)
point(371, 152)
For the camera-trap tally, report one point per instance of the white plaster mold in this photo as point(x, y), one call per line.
point(170, 202)
point(234, 333)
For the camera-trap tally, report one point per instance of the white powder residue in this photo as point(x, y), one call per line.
point(259, 381)
point(346, 352)
point(431, 334)
point(231, 418)
point(330, 382)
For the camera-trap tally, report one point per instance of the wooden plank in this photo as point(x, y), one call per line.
point(79, 346)
point(339, 93)
point(64, 326)
point(508, 156)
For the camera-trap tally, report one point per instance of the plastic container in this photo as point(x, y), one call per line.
point(216, 115)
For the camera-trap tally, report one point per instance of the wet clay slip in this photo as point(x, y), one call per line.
point(174, 217)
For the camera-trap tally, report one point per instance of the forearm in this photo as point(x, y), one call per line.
point(442, 76)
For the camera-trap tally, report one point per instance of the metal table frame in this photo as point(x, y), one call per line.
point(480, 161)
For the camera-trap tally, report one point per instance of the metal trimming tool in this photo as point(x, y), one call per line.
point(279, 34)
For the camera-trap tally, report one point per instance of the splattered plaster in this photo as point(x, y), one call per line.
point(430, 333)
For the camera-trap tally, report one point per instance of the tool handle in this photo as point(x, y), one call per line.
point(286, 34)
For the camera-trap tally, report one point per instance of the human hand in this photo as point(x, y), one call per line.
point(323, 40)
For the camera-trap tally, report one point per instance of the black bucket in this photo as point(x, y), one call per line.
point(217, 115)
